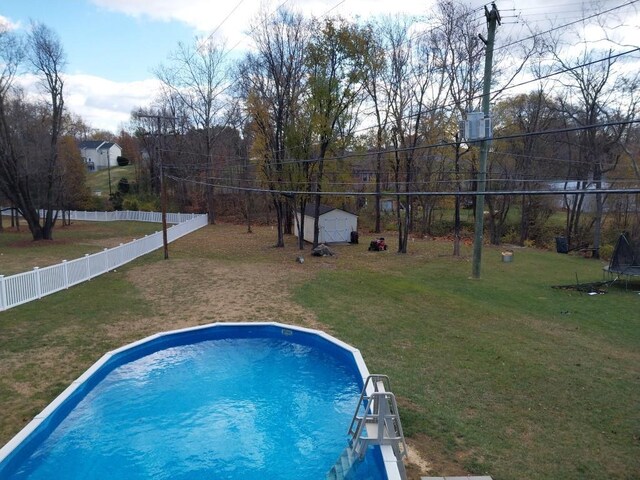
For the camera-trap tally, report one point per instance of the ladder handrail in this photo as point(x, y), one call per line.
point(389, 412)
point(379, 407)
point(375, 379)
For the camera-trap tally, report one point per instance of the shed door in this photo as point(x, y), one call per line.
point(337, 230)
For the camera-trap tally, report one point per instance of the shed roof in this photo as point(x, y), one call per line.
point(309, 210)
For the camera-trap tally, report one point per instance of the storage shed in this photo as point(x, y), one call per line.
point(335, 225)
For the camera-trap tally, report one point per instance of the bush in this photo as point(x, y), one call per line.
point(93, 203)
point(116, 200)
point(122, 161)
point(606, 251)
point(123, 186)
point(130, 203)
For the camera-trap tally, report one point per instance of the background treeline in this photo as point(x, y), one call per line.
point(364, 116)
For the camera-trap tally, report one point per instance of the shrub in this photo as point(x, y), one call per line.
point(123, 185)
point(122, 161)
point(93, 203)
point(606, 251)
point(130, 203)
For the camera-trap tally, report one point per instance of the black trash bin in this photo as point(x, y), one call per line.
point(561, 245)
point(354, 237)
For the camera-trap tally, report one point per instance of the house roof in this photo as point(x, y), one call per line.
point(95, 144)
point(310, 209)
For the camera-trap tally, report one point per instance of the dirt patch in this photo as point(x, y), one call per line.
point(195, 292)
point(427, 457)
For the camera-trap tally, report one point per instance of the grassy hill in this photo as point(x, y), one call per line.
point(99, 181)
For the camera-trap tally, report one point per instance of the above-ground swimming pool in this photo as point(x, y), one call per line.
point(245, 401)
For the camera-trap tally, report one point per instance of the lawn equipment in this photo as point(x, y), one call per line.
point(377, 245)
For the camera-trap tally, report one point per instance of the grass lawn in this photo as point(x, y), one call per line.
point(19, 253)
point(99, 181)
point(503, 376)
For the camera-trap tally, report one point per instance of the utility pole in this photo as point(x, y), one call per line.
point(493, 18)
point(163, 183)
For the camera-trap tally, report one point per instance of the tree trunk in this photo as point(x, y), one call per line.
point(597, 227)
point(318, 198)
point(524, 220)
point(211, 204)
point(456, 213)
point(378, 226)
point(249, 209)
point(303, 207)
point(277, 205)
point(288, 216)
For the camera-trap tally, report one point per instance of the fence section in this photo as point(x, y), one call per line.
point(25, 287)
point(155, 217)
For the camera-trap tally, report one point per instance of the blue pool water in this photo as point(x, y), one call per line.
point(225, 408)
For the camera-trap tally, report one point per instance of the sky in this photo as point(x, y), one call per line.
point(114, 46)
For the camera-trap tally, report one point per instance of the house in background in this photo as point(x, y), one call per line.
point(98, 155)
point(335, 225)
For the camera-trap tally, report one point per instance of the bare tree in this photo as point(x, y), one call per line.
point(29, 173)
point(374, 66)
point(417, 84)
point(272, 84)
point(461, 53)
point(598, 95)
point(196, 77)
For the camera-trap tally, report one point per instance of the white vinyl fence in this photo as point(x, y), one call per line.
point(25, 287)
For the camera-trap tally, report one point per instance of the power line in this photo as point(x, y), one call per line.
point(456, 193)
point(535, 35)
point(497, 92)
point(353, 155)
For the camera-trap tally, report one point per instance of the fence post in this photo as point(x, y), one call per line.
point(106, 260)
point(3, 294)
point(38, 286)
point(87, 266)
point(65, 269)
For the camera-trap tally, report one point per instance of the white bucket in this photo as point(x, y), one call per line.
point(507, 256)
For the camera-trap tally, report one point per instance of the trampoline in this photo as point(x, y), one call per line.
point(625, 261)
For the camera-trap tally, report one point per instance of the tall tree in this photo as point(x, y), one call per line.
point(335, 93)
point(531, 156)
point(416, 83)
point(29, 168)
point(374, 66)
point(272, 80)
point(74, 192)
point(196, 77)
point(461, 54)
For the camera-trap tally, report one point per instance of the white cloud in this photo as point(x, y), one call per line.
point(232, 20)
point(107, 104)
point(101, 103)
point(205, 15)
point(7, 25)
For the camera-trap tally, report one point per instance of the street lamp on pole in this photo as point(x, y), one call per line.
point(108, 168)
point(109, 171)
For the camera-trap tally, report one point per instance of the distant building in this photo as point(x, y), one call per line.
point(589, 201)
point(98, 155)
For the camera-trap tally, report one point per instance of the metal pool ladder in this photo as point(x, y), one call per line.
point(375, 422)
